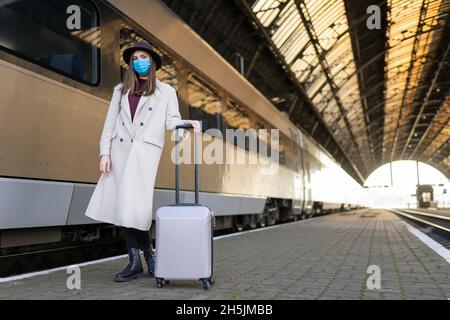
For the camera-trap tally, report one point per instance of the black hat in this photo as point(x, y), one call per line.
point(141, 45)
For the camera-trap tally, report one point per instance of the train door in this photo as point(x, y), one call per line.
point(302, 165)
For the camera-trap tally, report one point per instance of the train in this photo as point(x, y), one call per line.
point(59, 63)
point(424, 195)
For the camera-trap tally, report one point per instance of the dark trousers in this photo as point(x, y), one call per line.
point(137, 238)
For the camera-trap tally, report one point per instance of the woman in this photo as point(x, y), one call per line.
point(141, 109)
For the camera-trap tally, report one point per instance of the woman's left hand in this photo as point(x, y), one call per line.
point(195, 124)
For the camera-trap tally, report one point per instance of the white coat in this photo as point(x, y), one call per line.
point(124, 196)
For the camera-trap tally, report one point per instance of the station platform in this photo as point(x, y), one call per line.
point(320, 258)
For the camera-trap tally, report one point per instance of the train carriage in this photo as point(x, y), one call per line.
point(55, 86)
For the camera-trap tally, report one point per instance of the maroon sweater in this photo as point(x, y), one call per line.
point(133, 99)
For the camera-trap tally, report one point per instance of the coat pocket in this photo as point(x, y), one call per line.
point(153, 140)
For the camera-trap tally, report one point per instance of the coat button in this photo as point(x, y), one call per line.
point(150, 108)
point(123, 123)
point(142, 123)
point(121, 140)
point(131, 140)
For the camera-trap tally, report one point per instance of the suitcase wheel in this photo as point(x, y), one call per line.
point(207, 283)
point(159, 282)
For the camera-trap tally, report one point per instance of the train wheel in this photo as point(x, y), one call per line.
point(237, 224)
point(261, 220)
point(253, 221)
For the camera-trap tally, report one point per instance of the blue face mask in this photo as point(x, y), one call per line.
point(141, 66)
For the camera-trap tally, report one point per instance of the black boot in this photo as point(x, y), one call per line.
point(146, 246)
point(150, 259)
point(134, 269)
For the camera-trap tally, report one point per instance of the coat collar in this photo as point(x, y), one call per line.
point(143, 100)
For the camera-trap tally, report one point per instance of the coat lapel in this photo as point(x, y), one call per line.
point(142, 101)
point(126, 104)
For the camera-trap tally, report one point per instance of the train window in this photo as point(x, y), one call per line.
point(263, 142)
point(294, 152)
point(286, 154)
point(41, 31)
point(426, 197)
point(167, 72)
point(204, 103)
point(283, 149)
point(236, 117)
point(289, 155)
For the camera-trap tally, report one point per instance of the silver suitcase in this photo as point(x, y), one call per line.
point(184, 235)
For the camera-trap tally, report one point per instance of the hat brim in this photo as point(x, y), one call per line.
point(128, 52)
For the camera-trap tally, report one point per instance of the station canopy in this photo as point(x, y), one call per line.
point(377, 73)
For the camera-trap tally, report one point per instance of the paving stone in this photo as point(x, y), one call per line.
point(322, 258)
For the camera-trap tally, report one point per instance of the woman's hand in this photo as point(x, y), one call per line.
point(195, 124)
point(105, 164)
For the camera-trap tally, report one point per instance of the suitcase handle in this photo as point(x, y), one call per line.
point(177, 166)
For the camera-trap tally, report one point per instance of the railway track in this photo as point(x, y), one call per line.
point(25, 262)
point(436, 225)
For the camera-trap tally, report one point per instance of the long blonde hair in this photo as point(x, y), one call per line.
point(131, 79)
